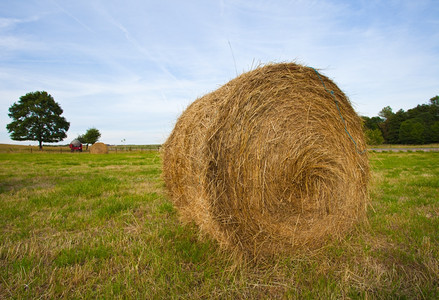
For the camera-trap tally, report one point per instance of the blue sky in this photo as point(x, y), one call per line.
point(130, 68)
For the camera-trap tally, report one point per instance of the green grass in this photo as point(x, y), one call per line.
point(101, 226)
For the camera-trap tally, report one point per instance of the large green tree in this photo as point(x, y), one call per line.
point(374, 137)
point(372, 123)
point(91, 136)
point(37, 117)
point(434, 130)
point(392, 125)
point(412, 132)
point(386, 112)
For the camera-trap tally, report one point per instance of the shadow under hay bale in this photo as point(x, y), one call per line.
point(99, 148)
point(268, 163)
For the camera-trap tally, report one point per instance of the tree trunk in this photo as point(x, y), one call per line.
point(40, 145)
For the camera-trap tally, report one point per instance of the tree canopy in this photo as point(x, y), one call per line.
point(37, 117)
point(386, 112)
point(91, 136)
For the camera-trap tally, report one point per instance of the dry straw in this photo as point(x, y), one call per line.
point(267, 163)
point(99, 148)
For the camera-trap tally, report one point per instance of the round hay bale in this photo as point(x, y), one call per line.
point(270, 162)
point(99, 148)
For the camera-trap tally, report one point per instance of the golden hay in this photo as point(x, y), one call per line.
point(265, 164)
point(99, 148)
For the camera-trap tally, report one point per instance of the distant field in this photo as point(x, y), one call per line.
point(101, 226)
point(8, 148)
point(434, 147)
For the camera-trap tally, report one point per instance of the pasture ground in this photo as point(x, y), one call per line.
point(75, 225)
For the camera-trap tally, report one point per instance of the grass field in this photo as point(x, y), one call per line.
point(100, 226)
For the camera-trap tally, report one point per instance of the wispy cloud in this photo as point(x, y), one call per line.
point(8, 22)
point(78, 21)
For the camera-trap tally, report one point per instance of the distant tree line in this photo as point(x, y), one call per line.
point(418, 125)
